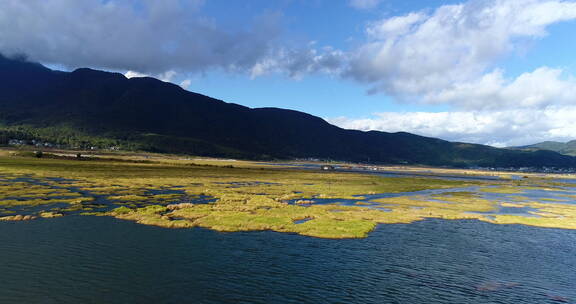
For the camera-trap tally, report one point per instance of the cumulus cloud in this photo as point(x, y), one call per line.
point(186, 83)
point(538, 89)
point(132, 74)
point(146, 36)
point(448, 55)
point(364, 4)
point(167, 76)
point(299, 62)
point(496, 128)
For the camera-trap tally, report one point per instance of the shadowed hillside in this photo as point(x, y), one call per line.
point(145, 113)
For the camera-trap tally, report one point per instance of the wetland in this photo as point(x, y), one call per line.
point(177, 227)
point(250, 196)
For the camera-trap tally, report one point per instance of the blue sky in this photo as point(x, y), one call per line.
point(497, 72)
point(334, 23)
point(328, 23)
point(322, 96)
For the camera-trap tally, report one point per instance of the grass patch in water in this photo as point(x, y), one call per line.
point(17, 218)
point(38, 202)
point(442, 202)
point(260, 203)
point(49, 214)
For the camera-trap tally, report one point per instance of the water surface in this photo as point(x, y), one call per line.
point(78, 259)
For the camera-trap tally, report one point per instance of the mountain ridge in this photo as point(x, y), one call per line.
point(566, 148)
point(153, 115)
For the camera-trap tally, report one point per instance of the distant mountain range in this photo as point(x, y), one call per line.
point(91, 107)
point(567, 148)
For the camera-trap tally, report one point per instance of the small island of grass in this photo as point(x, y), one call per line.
point(249, 196)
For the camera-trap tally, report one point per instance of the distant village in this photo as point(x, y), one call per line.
point(45, 144)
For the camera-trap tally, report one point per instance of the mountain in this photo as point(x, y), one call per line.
point(88, 106)
point(568, 148)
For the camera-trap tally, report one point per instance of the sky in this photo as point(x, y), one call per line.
point(496, 72)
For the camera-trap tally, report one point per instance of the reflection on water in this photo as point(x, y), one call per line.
point(102, 260)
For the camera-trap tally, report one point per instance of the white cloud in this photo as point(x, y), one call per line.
point(449, 55)
point(299, 62)
point(167, 76)
point(538, 89)
point(185, 84)
point(364, 4)
point(497, 128)
point(132, 74)
point(395, 26)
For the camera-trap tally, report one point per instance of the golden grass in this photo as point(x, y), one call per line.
point(250, 196)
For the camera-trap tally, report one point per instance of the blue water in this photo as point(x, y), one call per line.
point(562, 195)
point(100, 203)
point(79, 259)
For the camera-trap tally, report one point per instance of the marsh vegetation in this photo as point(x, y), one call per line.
point(233, 196)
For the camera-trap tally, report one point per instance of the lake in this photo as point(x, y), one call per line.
point(82, 259)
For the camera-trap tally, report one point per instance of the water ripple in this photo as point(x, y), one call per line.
point(104, 260)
